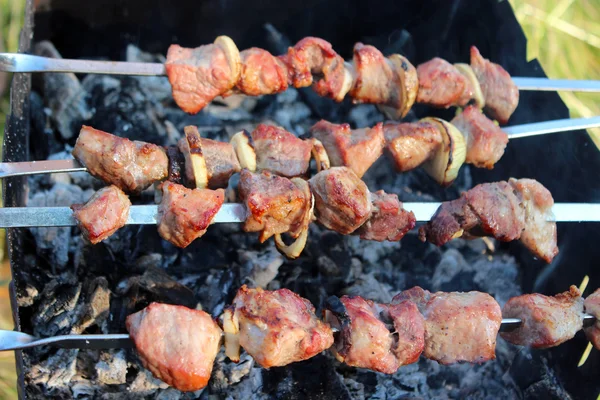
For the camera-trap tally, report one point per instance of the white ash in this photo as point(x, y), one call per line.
point(260, 267)
point(112, 368)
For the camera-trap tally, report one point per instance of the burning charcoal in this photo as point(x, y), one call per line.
point(112, 368)
point(55, 373)
point(261, 267)
point(54, 243)
point(55, 313)
point(158, 86)
point(97, 305)
point(64, 94)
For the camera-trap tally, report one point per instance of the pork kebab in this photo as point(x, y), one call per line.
point(438, 146)
point(179, 345)
point(520, 209)
point(199, 75)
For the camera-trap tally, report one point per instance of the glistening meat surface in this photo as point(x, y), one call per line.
point(177, 344)
point(103, 214)
point(275, 204)
point(131, 166)
point(500, 92)
point(262, 73)
point(185, 214)
point(388, 220)
point(411, 144)
point(356, 149)
point(342, 201)
point(278, 327)
point(547, 321)
point(485, 140)
point(441, 84)
point(280, 151)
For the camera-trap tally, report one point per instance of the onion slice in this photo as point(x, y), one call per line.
point(195, 163)
point(244, 150)
point(300, 232)
point(232, 54)
point(467, 72)
point(231, 328)
point(320, 155)
point(445, 163)
point(409, 81)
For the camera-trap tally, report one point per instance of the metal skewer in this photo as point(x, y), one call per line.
point(12, 340)
point(16, 62)
point(34, 217)
point(8, 170)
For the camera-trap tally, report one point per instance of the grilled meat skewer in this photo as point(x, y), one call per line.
point(179, 345)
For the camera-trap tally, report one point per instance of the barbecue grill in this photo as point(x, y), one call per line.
point(61, 285)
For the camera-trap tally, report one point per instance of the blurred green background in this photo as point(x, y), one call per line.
point(564, 35)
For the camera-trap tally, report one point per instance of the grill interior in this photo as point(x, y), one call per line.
point(63, 285)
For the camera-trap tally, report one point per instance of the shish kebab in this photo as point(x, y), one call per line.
point(276, 328)
point(474, 139)
point(336, 198)
point(199, 75)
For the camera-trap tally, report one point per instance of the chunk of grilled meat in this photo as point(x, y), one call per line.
point(275, 204)
point(500, 92)
point(275, 327)
point(409, 326)
point(199, 75)
point(378, 80)
point(342, 200)
point(177, 344)
point(459, 327)
point(131, 166)
point(262, 73)
point(103, 214)
point(388, 220)
point(547, 321)
point(507, 211)
point(592, 306)
point(313, 57)
point(411, 144)
point(185, 214)
point(441, 84)
point(356, 149)
point(539, 235)
point(485, 140)
point(280, 151)
point(364, 340)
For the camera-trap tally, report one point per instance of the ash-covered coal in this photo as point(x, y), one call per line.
point(70, 286)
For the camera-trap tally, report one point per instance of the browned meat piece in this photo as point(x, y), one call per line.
point(280, 151)
point(377, 79)
point(441, 84)
point(221, 161)
point(409, 325)
point(500, 93)
point(411, 144)
point(342, 201)
point(177, 344)
point(364, 340)
point(105, 212)
point(539, 235)
point(461, 327)
point(132, 166)
point(262, 73)
point(199, 75)
point(489, 209)
point(485, 140)
point(416, 294)
point(356, 149)
point(275, 327)
point(592, 306)
point(275, 204)
point(388, 221)
point(547, 321)
point(185, 214)
point(312, 57)
point(176, 165)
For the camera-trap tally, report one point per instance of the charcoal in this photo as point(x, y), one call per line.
point(64, 96)
point(260, 268)
point(112, 368)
